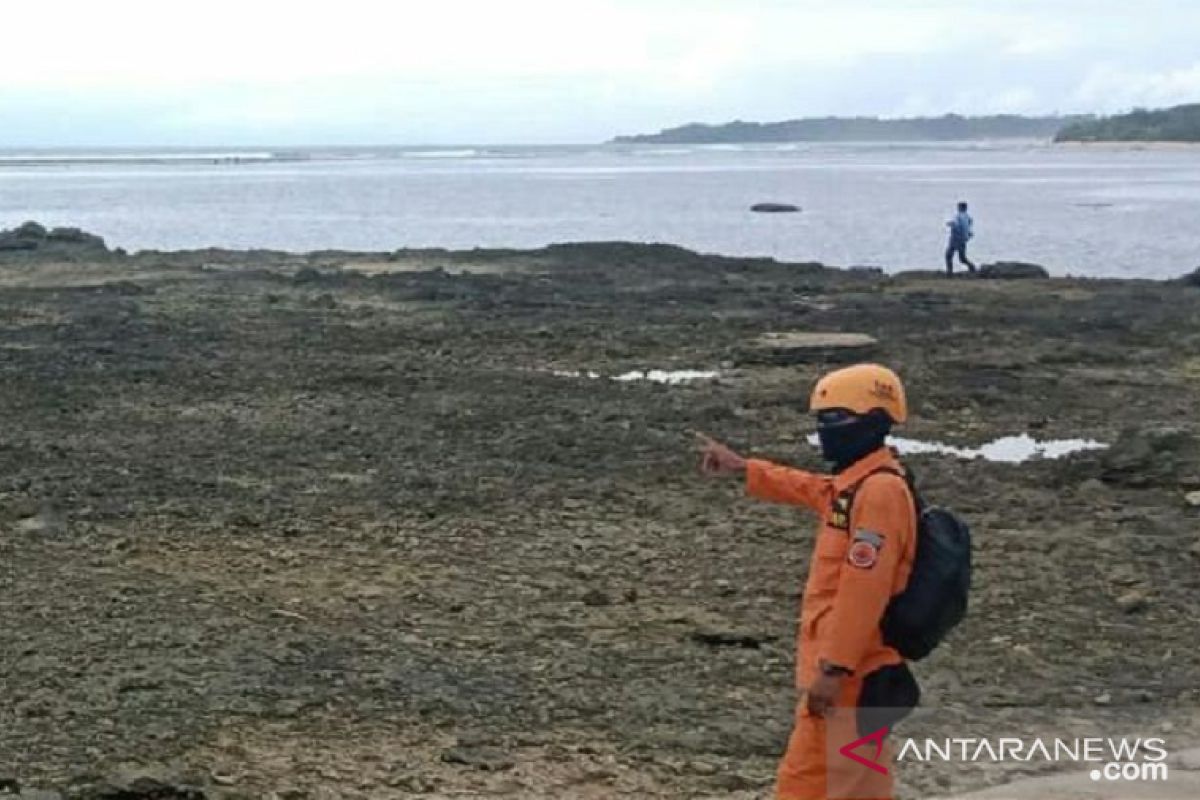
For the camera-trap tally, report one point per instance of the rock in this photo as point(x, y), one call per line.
point(1188, 760)
point(803, 340)
point(33, 236)
point(27, 236)
point(596, 597)
point(474, 739)
point(729, 638)
point(792, 347)
point(1192, 499)
point(324, 301)
point(223, 777)
point(735, 782)
point(1103, 700)
point(1150, 457)
point(30, 229)
point(702, 768)
point(10, 242)
point(9, 785)
point(39, 794)
point(142, 783)
point(15, 507)
point(417, 784)
point(46, 523)
point(1013, 270)
point(1125, 574)
point(1192, 278)
point(920, 274)
point(488, 759)
point(127, 288)
point(76, 236)
point(774, 208)
point(1133, 602)
point(600, 775)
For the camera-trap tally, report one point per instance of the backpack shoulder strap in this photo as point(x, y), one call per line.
point(846, 498)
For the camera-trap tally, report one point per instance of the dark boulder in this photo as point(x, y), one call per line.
point(26, 236)
point(714, 637)
point(30, 230)
point(133, 783)
point(486, 758)
point(1151, 457)
point(75, 236)
point(33, 236)
point(307, 275)
point(1013, 270)
point(775, 208)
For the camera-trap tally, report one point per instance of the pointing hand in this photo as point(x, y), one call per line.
point(717, 459)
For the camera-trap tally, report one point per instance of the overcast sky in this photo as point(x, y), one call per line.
point(487, 71)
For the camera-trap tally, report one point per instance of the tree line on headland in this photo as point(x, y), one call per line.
point(1179, 124)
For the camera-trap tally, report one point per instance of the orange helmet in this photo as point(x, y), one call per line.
point(861, 389)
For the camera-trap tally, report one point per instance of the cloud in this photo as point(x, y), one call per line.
point(1112, 88)
point(127, 71)
point(1041, 40)
point(144, 44)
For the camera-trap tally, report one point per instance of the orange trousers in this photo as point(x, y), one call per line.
point(814, 769)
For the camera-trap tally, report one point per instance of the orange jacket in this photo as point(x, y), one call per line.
point(859, 563)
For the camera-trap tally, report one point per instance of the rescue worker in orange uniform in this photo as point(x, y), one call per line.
point(864, 551)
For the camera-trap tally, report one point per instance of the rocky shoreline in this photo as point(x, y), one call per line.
point(364, 524)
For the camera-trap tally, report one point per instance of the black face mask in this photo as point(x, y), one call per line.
point(843, 443)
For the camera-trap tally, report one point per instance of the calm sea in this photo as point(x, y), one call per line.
point(1099, 212)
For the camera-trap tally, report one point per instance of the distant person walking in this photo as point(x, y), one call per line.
point(961, 231)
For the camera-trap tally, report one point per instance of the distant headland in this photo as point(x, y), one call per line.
point(950, 127)
point(1177, 124)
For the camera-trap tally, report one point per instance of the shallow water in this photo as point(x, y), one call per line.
point(1104, 212)
point(1005, 450)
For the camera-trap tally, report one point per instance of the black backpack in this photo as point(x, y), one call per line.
point(935, 600)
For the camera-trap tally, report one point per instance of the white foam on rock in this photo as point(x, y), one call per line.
point(670, 377)
point(1005, 450)
point(567, 373)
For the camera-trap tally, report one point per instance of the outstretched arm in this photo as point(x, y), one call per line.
point(764, 479)
point(779, 484)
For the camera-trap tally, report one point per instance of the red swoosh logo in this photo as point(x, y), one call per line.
point(875, 738)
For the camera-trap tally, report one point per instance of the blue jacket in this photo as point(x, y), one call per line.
point(961, 227)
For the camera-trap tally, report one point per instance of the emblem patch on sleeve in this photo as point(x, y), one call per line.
point(864, 550)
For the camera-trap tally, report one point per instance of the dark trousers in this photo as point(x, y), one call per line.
point(959, 247)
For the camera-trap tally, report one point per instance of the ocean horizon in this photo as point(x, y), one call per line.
point(1111, 212)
